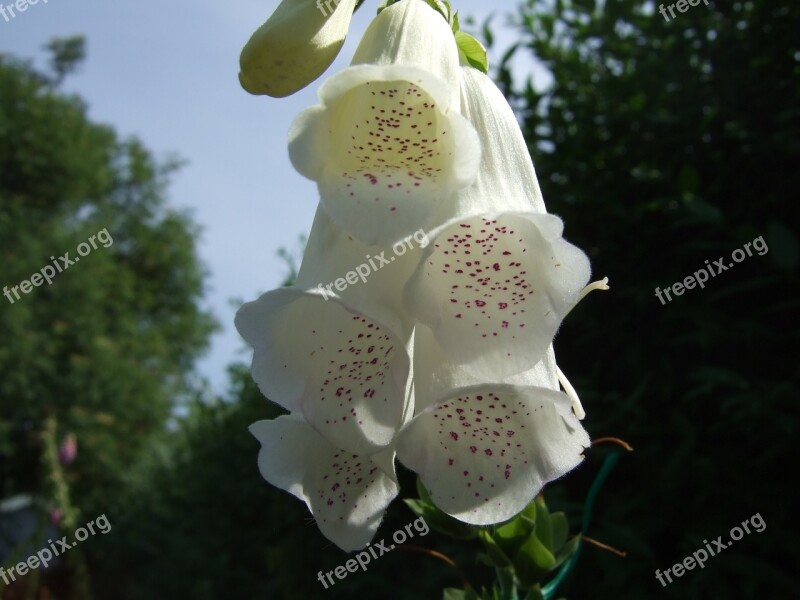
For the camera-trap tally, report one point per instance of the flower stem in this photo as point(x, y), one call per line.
point(550, 589)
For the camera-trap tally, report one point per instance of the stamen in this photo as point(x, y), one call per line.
point(573, 395)
point(595, 285)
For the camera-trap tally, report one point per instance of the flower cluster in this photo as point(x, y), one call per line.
point(443, 359)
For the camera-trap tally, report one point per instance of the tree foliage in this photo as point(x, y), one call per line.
point(664, 145)
point(106, 349)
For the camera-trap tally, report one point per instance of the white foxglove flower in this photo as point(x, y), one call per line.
point(498, 278)
point(345, 377)
point(386, 145)
point(495, 288)
point(485, 450)
point(347, 373)
point(346, 493)
point(295, 46)
point(469, 395)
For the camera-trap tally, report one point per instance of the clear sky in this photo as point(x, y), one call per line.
point(166, 72)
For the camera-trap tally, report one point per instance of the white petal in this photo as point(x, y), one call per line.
point(347, 374)
point(309, 142)
point(347, 494)
point(495, 288)
point(411, 33)
point(485, 452)
point(506, 179)
point(436, 375)
point(294, 47)
point(383, 150)
point(378, 274)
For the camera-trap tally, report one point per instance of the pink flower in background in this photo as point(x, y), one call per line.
point(68, 450)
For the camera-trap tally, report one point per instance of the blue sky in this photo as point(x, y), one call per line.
point(166, 72)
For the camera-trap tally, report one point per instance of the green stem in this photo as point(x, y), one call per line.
point(550, 589)
point(58, 489)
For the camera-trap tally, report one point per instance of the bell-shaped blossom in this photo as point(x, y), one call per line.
point(386, 145)
point(485, 450)
point(495, 288)
point(498, 277)
point(347, 373)
point(295, 46)
point(344, 376)
point(346, 493)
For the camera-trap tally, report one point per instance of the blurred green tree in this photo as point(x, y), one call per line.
point(106, 349)
point(663, 145)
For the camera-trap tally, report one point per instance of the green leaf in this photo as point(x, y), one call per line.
point(496, 554)
point(530, 511)
point(567, 550)
point(441, 522)
point(533, 561)
point(455, 25)
point(471, 50)
point(543, 529)
point(560, 529)
point(440, 6)
point(510, 536)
